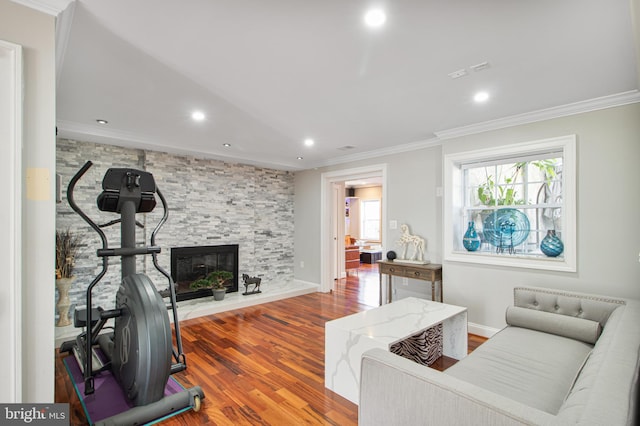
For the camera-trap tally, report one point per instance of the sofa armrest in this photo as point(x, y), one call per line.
point(397, 391)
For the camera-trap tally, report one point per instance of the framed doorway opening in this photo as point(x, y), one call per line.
point(332, 222)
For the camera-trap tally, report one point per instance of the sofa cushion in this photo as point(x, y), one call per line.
point(572, 327)
point(529, 366)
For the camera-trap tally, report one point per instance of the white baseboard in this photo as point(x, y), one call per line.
point(481, 330)
point(307, 283)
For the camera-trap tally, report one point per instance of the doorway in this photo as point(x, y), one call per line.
point(332, 227)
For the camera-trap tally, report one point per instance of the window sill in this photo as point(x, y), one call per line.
point(514, 261)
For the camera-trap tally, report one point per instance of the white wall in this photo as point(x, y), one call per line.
point(352, 223)
point(35, 32)
point(608, 206)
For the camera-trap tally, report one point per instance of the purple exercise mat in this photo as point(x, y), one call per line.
point(108, 399)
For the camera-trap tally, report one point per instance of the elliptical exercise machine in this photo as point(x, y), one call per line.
point(139, 352)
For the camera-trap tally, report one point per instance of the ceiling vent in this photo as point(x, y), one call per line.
point(346, 147)
point(458, 74)
point(481, 66)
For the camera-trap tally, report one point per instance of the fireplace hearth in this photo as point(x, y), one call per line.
point(189, 264)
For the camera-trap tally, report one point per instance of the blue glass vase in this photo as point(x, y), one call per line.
point(471, 240)
point(551, 245)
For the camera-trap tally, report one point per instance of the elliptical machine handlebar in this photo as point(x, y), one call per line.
point(72, 184)
point(90, 334)
point(178, 355)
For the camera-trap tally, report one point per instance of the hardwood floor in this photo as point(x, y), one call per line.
point(265, 364)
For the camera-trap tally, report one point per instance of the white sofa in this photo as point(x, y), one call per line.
point(563, 359)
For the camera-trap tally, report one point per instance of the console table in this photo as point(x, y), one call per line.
point(429, 272)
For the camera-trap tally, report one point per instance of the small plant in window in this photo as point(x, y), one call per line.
point(493, 192)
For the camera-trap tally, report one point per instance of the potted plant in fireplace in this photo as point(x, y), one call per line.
point(216, 281)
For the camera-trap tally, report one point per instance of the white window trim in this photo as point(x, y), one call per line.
point(453, 204)
point(365, 200)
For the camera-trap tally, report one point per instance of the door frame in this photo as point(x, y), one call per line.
point(329, 215)
point(11, 81)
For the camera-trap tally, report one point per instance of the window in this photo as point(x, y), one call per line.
point(370, 219)
point(519, 200)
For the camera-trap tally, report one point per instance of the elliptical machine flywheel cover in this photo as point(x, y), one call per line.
point(141, 360)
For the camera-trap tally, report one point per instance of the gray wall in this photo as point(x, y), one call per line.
point(412, 181)
point(607, 213)
point(210, 203)
point(307, 225)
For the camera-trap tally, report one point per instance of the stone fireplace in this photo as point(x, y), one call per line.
point(211, 202)
point(189, 264)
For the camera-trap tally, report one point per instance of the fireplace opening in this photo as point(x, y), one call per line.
point(189, 264)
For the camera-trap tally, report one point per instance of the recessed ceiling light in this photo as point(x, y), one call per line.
point(481, 97)
point(309, 142)
point(197, 115)
point(100, 121)
point(375, 18)
point(300, 158)
point(226, 145)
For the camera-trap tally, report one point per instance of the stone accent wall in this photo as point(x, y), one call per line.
point(210, 203)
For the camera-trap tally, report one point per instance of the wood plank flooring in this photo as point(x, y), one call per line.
point(264, 365)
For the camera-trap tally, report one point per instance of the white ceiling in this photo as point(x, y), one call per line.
point(269, 74)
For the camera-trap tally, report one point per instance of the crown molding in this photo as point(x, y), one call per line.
point(603, 102)
point(98, 134)
point(50, 7)
point(397, 149)
point(63, 30)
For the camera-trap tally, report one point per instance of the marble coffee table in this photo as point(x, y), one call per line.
point(418, 329)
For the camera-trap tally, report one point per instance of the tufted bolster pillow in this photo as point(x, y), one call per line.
point(580, 329)
point(591, 307)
